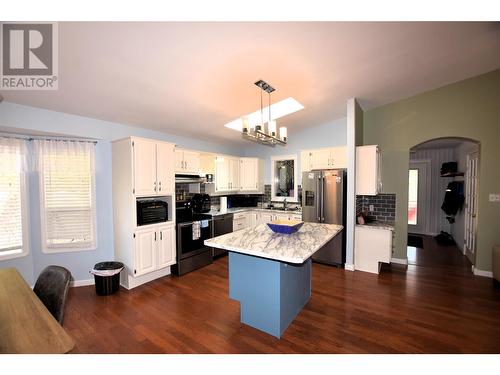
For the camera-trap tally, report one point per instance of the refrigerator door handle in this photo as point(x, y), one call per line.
point(322, 199)
point(318, 202)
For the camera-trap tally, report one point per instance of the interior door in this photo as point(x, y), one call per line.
point(471, 205)
point(165, 168)
point(418, 196)
point(248, 174)
point(144, 167)
point(166, 246)
point(145, 249)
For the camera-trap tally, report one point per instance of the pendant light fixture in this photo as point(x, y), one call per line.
point(259, 134)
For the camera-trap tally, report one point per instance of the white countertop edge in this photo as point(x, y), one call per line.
point(264, 255)
point(383, 227)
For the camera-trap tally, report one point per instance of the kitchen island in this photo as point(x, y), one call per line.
point(270, 273)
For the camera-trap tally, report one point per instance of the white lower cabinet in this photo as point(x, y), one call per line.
point(262, 217)
point(166, 246)
point(145, 249)
point(154, 249)
point(372, 246)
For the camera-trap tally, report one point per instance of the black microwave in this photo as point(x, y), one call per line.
point(151, 211)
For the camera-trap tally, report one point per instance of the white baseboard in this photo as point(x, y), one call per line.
point(479, 272)
point(400, 261)
point(77, 283)
point(349, 267)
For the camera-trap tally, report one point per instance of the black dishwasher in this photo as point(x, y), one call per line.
point(222, 224)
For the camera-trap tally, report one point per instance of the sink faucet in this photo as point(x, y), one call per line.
point(285, 204)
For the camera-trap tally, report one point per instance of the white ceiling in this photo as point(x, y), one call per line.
point(191, 78)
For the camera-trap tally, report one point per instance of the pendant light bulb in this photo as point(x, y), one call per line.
point(271, 127)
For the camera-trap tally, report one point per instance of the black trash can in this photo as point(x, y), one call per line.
point(106, 285)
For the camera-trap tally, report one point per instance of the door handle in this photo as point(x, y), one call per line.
point(161, 235)
point(317, 199)
point(322, 199)
point(155, 236)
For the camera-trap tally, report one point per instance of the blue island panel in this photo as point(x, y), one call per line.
point(271, 293)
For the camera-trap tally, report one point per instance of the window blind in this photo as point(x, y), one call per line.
point(12, 158)
point(67, 189)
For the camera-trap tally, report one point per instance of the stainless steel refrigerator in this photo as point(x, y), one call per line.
point(324, 201)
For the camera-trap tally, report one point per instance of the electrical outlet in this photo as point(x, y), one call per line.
point(494, 197)
point(371, 208)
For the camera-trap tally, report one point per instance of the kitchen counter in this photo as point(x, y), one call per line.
point(270, 273)
point(378, 225)
point(263, 242)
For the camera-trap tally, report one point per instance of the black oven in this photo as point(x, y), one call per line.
point(193, 228)
point(151, 211)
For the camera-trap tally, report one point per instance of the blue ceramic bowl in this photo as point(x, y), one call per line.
point(285, 226)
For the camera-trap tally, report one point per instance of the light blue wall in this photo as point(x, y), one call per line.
point(327, 135)
point(29, 120)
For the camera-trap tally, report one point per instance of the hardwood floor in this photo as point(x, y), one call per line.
point(434, 306)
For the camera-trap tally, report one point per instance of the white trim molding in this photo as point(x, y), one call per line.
point(77, 283)
point(400, 260)
point(349, 267)
point(478, 272)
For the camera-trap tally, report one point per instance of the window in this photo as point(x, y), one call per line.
point(284, 178)
point(13, 213)
point(412, 196)
point(67, 195)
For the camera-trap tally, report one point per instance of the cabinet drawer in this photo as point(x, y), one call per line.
point(240, 215)
point(239, 224)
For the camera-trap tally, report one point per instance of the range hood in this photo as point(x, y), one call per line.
point(189, 179)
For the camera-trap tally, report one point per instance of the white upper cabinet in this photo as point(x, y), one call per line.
point(187, 161)
point(165, 168)
point(234, 174)
point(338, 157)
point(324, 158)
point(144, 167)
point(250, 174)
point(221, 173)
point(227, 173)
point(153, 167)
point(368, 179)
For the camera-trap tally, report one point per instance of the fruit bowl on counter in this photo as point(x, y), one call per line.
point(285, 226)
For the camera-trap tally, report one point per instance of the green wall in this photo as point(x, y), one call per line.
point(469, 109)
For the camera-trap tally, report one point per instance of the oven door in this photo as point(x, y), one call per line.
point(186, 246)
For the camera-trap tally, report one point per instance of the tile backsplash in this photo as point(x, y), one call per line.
point(384, 206)
point(186, 191)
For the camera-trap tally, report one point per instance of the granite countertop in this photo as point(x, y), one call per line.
point(378, 225)
point(263, 242)
point(234, 210)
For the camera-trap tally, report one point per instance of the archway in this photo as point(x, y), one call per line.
point(442, 215)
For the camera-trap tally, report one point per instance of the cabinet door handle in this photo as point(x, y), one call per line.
point(161, 235)
point(154, 184)
point(155, 236)
point(159, 186)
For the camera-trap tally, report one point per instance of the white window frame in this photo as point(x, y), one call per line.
point(64, 248)
point(275, 198)
point(25, 250)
